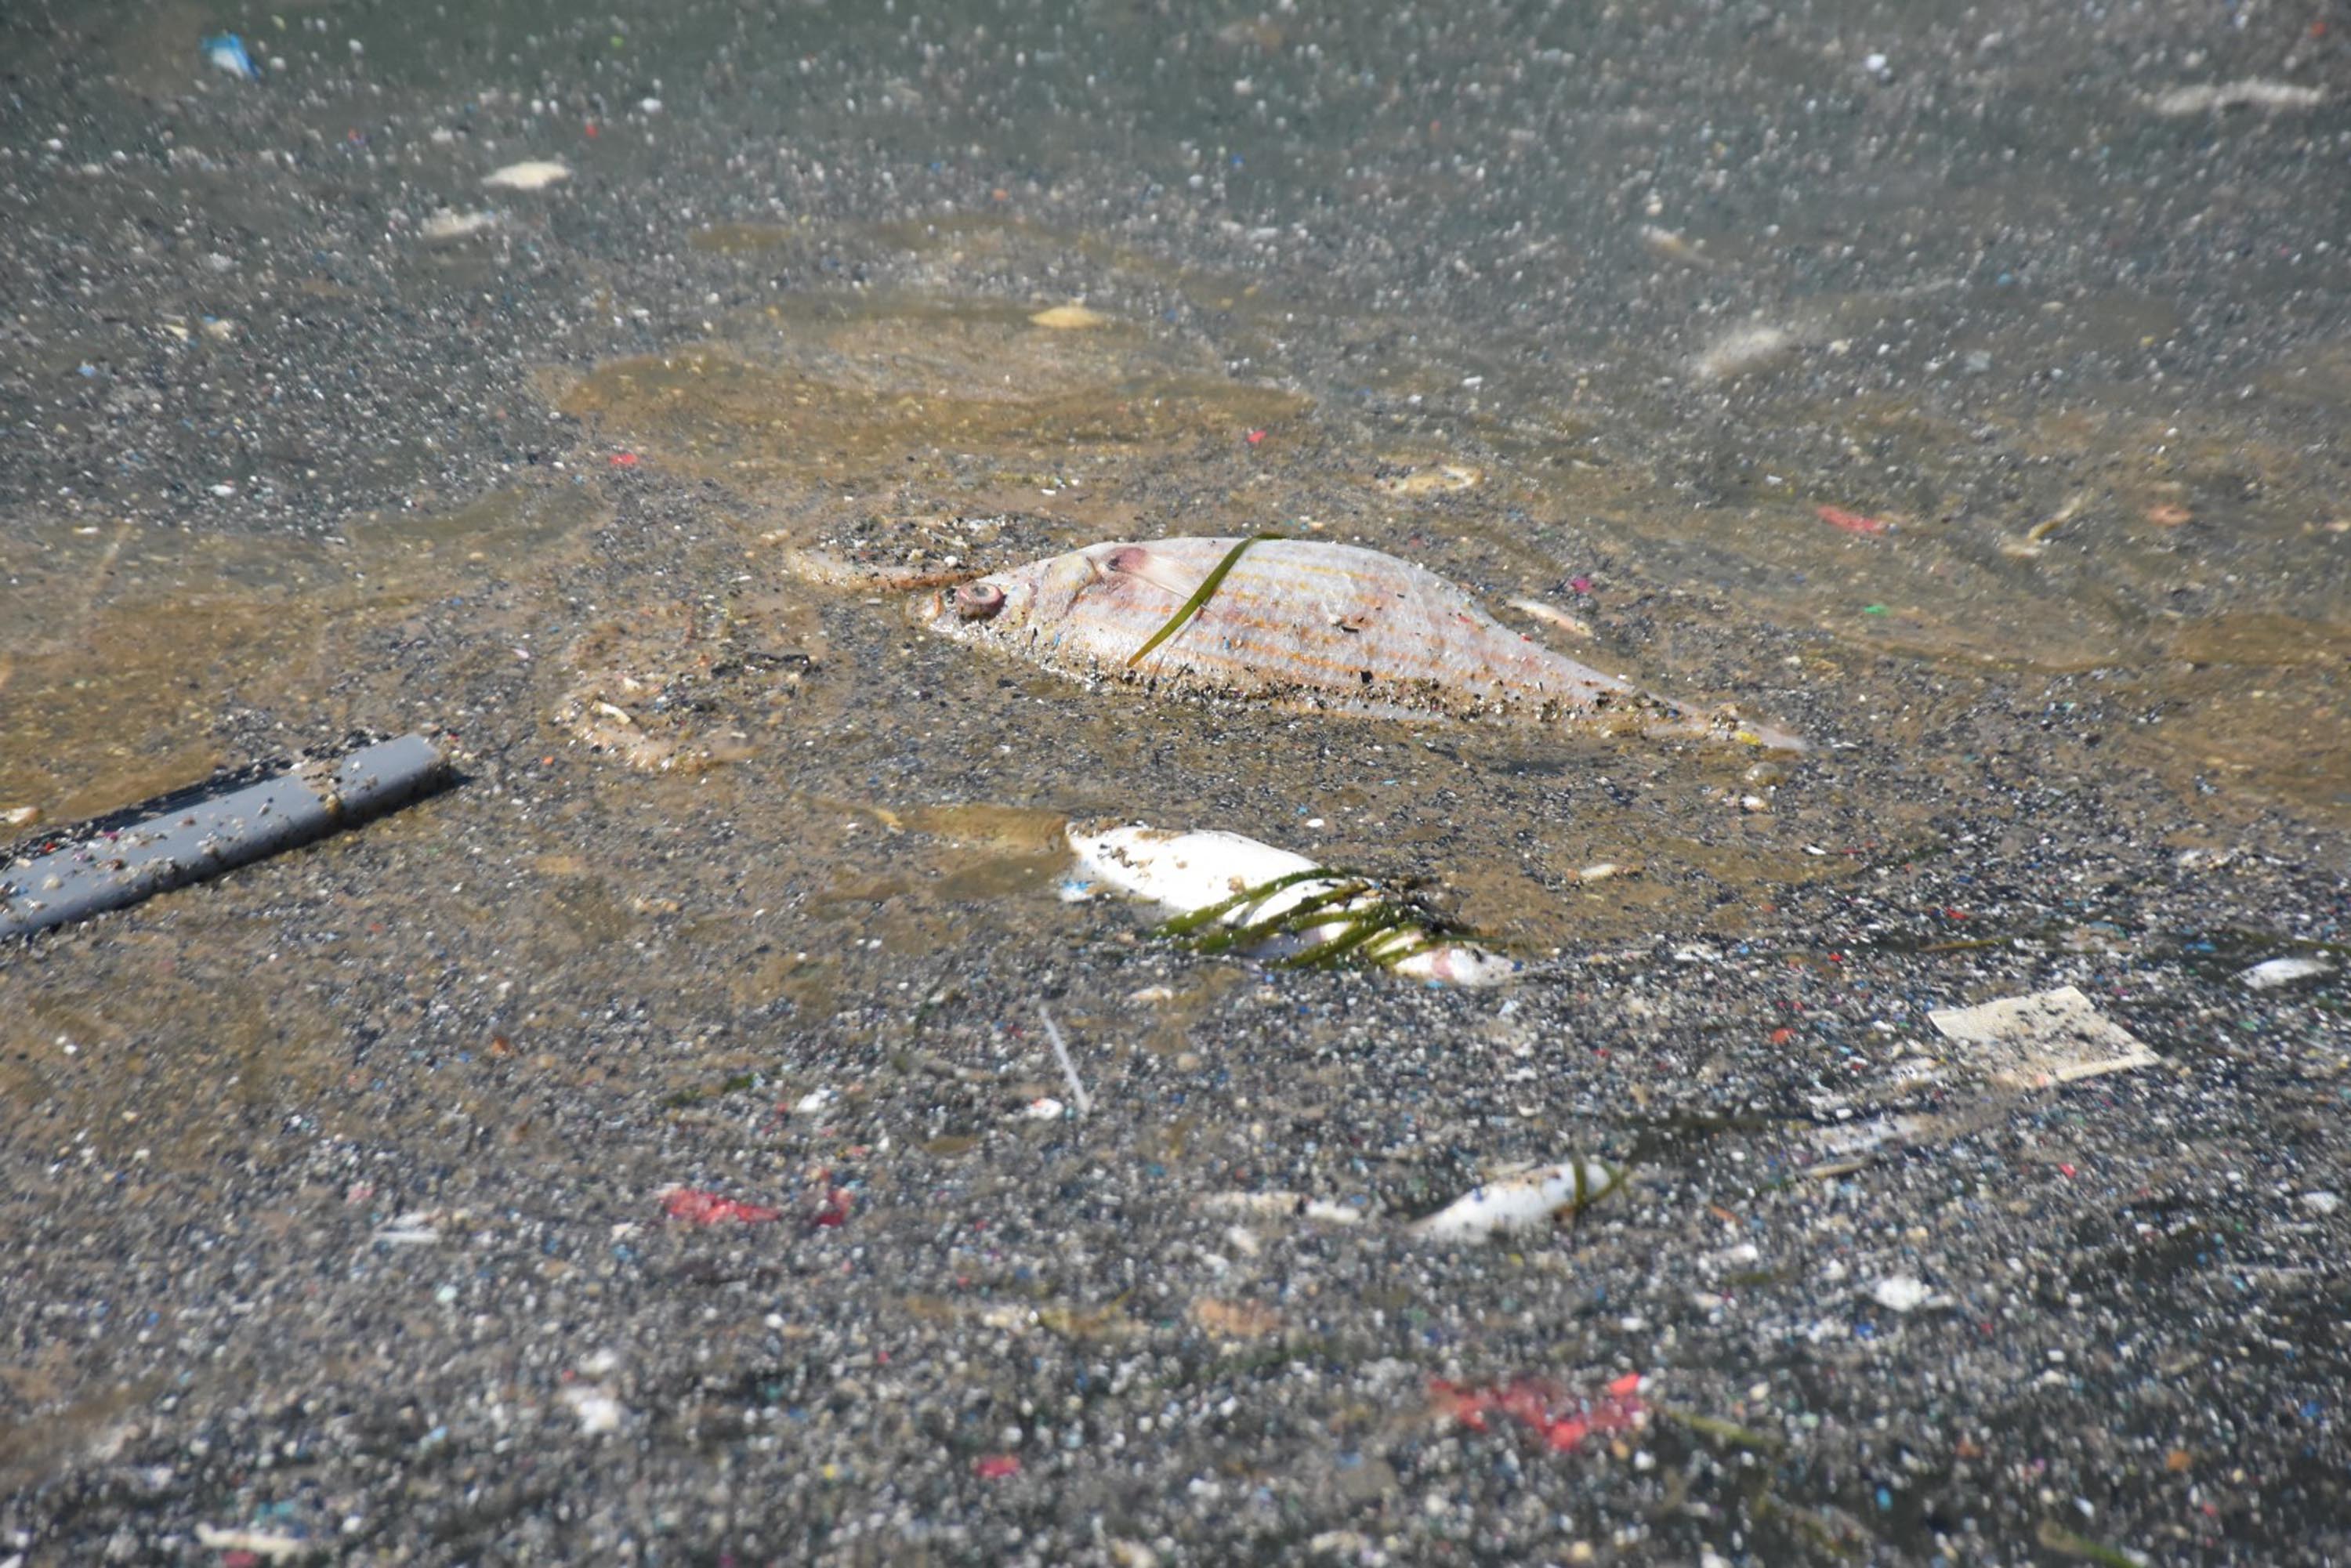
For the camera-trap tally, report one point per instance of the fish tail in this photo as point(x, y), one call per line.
point(1725, 726)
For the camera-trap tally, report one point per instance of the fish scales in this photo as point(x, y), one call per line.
point(1302, 624)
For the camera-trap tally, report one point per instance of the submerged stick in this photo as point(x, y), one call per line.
point(189, 840)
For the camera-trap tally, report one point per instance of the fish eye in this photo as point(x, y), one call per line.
point(977, 601)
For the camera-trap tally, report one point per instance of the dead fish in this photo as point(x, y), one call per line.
point(1301, 623)
point(1245, 886)
point(1536, 1197)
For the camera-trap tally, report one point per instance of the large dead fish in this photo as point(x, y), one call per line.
point(1302, 624)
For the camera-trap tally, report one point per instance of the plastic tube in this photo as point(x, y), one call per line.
point(210, 834)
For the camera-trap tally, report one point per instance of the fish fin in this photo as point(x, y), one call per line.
point(1162, 572)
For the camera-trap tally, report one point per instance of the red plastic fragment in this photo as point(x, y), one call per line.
point(1562, 1420)
point(995, 1466)
point(1850, 522)
point(1256, 437)
point(696, 1207)
point(835, 1210)
point(1579, 585)
point(624, 460)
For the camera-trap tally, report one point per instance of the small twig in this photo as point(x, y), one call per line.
point(1068, 1068)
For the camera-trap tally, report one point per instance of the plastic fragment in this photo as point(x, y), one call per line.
point(2274, 972)
point(1850, 522)
point(995, 1466)
point(225, 51)
point(594, 1405)
point(531, 174)
point(1068, 1068)
point(448, 224)
point(695, 1206)
point(2043, 1039)
point(1901, 1293)
point(259, 1542)
point(2251, 92)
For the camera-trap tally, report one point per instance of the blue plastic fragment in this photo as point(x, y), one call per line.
point(226, 50)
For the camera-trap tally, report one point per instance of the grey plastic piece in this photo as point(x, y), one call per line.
point(210, 835)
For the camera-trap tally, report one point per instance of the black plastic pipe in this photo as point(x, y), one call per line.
point(203, 838)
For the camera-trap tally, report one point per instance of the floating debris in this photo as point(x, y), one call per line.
point(1068, 1068)
point(2035, 540)
point(1233, 894)
point(2206, 97)
point(1518, 1202)
point(414, 1228)
point(2056, 1537)
point(1901, 1293)
point(1850, 522)
point(2047, 1038)
point(1300, 624)
point(1562, 1420)
point(1439, 479)
point(448, 224)
point(1664, 242)
point(1552, 615)
point(259, 1542)
point(1070, 318)
point(695, 1206)
point(531, 174)
point(1282, 1206)
point(593, 1403)
point(1744, 349)
point(2274, 972)
point(1235, 1320)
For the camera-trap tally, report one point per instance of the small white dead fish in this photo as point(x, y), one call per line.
point(1256, 886)
point(1300, 624)
point(1518, 1202)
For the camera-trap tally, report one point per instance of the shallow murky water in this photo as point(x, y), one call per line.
point(1958, 412)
